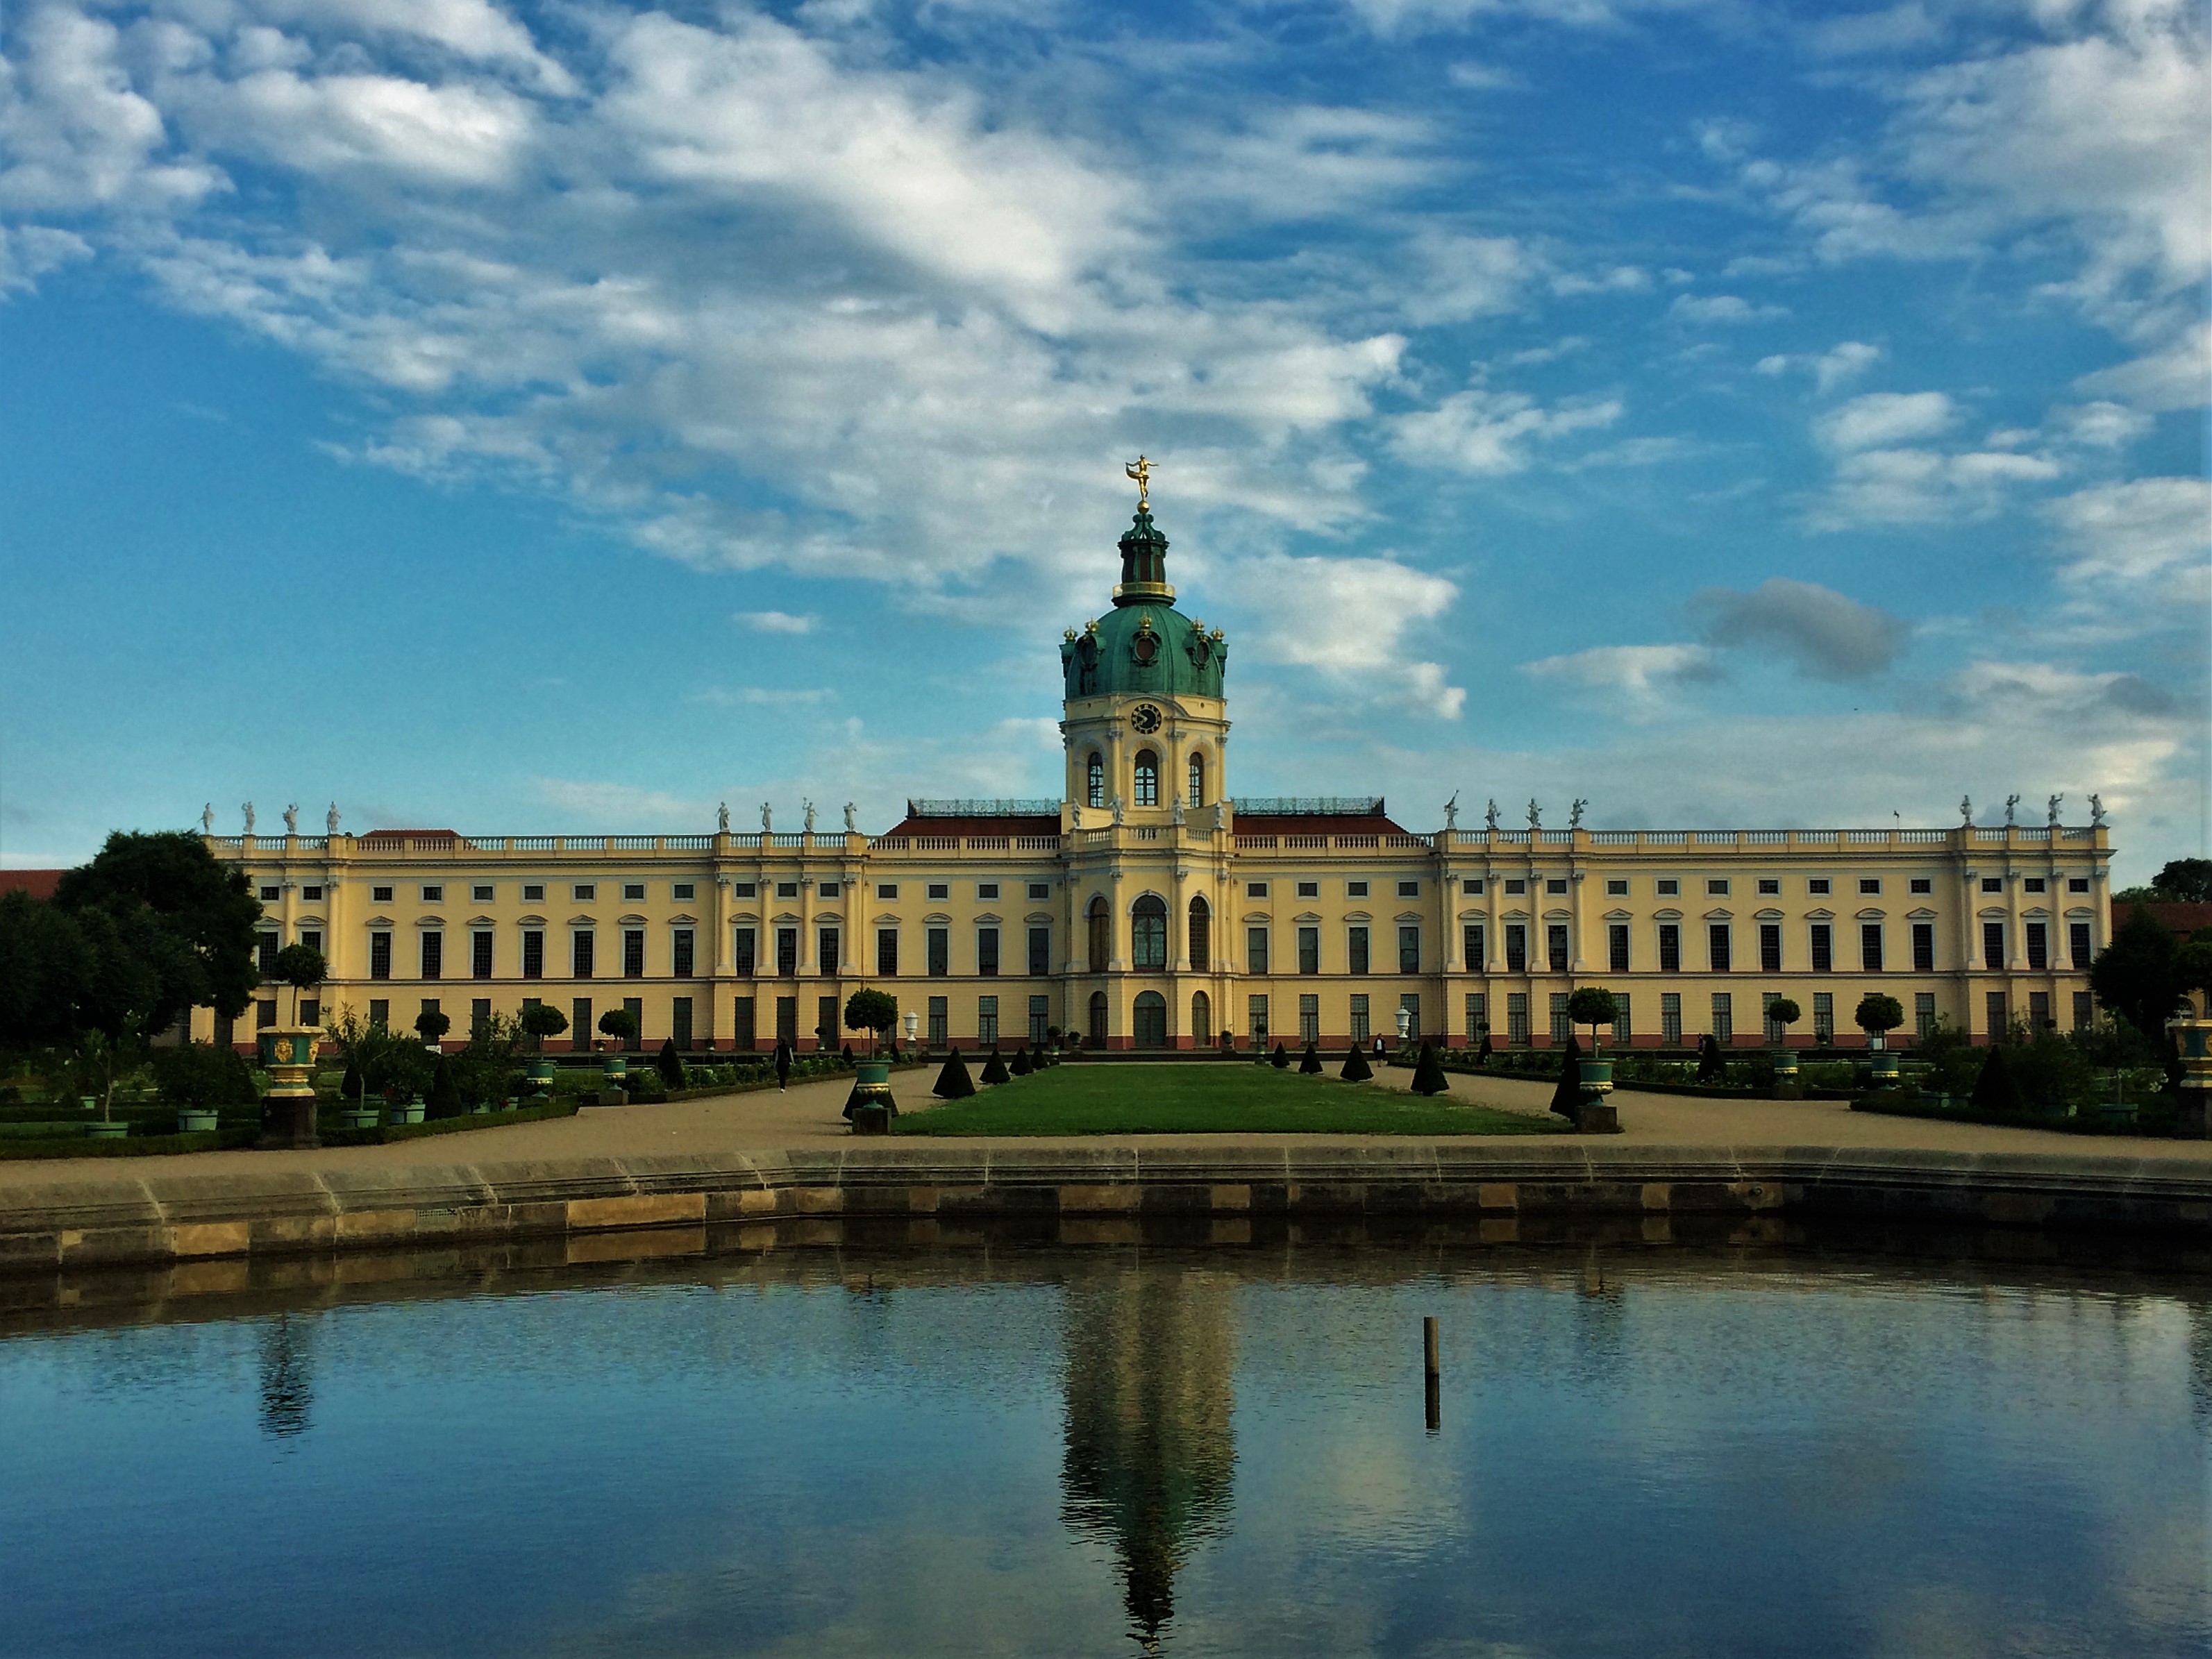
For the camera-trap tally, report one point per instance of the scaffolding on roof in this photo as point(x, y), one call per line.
point(982, 809)
point(1309, 806)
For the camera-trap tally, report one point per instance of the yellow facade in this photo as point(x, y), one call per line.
point(1162, 913)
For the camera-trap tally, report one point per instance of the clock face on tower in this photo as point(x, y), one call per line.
point(1146, 719)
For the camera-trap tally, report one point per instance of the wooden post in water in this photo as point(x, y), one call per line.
point(1432, 1374)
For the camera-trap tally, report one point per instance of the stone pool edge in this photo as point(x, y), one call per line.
point(175, 1217)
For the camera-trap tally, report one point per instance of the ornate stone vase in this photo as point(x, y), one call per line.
point(1885, 1067)
point(541, 1078)
point(288, 1110)
point(2194, 1038)
point(1599, 1115)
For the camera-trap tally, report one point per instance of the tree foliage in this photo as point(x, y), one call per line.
point(1878, 1012)
point(1995, 1089)
point(444, 1098)
point(994, 1068)
point(669, 1064)
point(1784, 1012)
point(619, 1024)
point(1593, 1006)
point(541, 1019)
point(200, 1075)
point(2186, 881)
point(432, 1024)
point(2138, 976)
point(1280, 1060)
point(870, 1010)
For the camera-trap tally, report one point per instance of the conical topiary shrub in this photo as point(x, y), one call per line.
point(1021, 1066)
point(953, 1082)
point(444, 1096)
point(994, 1069)
point(1429, 1074)
point(1567, 1098)
point(1711, 1068)
point(1356, 1069)
point(1310, 1064)
point(1997, 1090)
point(1279, 1059)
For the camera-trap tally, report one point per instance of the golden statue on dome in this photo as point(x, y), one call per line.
point(1141, 471)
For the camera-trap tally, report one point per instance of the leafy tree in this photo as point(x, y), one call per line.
point(994, 1069)
point(1877, 1012)
point(1310, 1065)
point(301, 966)
point(620, 1024)
point(1429, 1074)
point(2138, 975)
point(431, 1025)
point(542, 1020)
point(444, 1099)
point(953, 1082)
point(669, 1064)
point(1785, 1014)
point(205, 909)
point(1995, 1089)
point(1567, 1096)
point(2187, 881)
point(1280, 1060)
point(1593, 1006)
point(2052, 1075)
point(1356, 1069)
point(200, 1075)
point(870, 1010)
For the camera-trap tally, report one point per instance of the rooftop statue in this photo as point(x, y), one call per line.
point(722, 817)
point(1141, 471)
point(1575, 814)
point(2096, 812)
point(1451, 812)
point(292, 818)
point(207, 819)
point(1489, 815)
point(248, 809)
point(768, 819)
point(810, 818)
point(331, 819)
point(1535, 814)
point(2012, 811)
point(2051, 809)
point(1967, 811)
point(851, 827)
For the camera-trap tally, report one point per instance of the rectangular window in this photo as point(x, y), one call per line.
point(1670, 1019)
point(887, 890)
point(787, 889)
point(2038, 949)
point(379, 895)
point(1255, 950)
point(533, 893)
point(1477, 1018)
point(1769, 887)
point(1924, 947)
point(1724, 1017)
point(1040, 889)
point(786, 952)
point(311, 894)
point(1556, 886)
point(679, 1022)
point(1472, 942)
point(2038, 1011)
point(1923, 884)
point(1517, 1018)
point(264, 1013)
point(1472, 888)
point(1562, 1024)
point(1308, 1019)
point(479, 1015)
point(787, 1020)
point(1616, 947)
point(1356, 945)
point(1256, 890)
point(2077, 883)
point(264, 953)
point(480, 954)
point(1409, 950)
point(633, 953)
point(380, 956)
point(1040, 1018)
point(434, 955)
point(433, 896)
point(1870, 947)
point(683, 891)
point(2077, 943)
point(1359, 1017)
point(1616, 887)
point(1996, 1014)
point(312, 938)
point(1823, 948)
point(1515, 887)
point(2033, 884)
point(1992, 884)
point(1256, 1020)
point(480, 894)
point(937, 944)
point(744, 950)
point(380, 1014)
point(1516, 948)
point(1717, 947)
point(987, 890)
point(683, 957)
point(1923, 1013)
point(634, 1007)
point(987, 952)
point(940, 889)
point(829, 889)
point(887, 953)
point(583, 892)
point(1667, 887)
point(1824, 1017)
point(986, 1022)
point(580, 955)
point(1409, 890)
point(1869, 885)
point(1040, 952)
point(744, 889)
point(634, 892)
point(1622, 1027)
point(534, 954)
point(1774, 1028)
point(2084, 1011)
point(1411, 1002)
point(1310, 950)
point(938, 1013)
point(1717, 887)
point(828, 959)
point(1355, 889)
point(1993, 944)
point(1670, 948)
point(1555, 946)
point(579, 1022)
point(1817, 886)
point(1770, 947)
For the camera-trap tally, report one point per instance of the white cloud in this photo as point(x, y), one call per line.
point(451, 135)
point(2141, 533)
point(1923, 486)
point(1844, 361)
point(1890, 30)
point(1722, 309)
point(1880, 419)
point(1351, 618)
point(29, 252)
point(2172, 375)
point(777, 622)
point(2102, 425)
point(1492, 432)
point(1642, 673)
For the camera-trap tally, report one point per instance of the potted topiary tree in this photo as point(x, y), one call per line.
point(431, 1026)
point(1877, 1015)
point(994, 1069)
point(288, 1110)
point(1280, 1060)
point(619, 1027)
point(1785, 1014)
point(540, 1021)
point(1595, 1005)
point(197, 1078)
point(875, 1013)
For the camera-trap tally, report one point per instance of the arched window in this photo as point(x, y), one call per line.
point(1201, 935)
point(1098, 1038)
point(1197, 779)
point(1148, 934)
point(1151, 1020)
point(1102, 934)
point(1201, 1020)
point(1095, 785)
point(1148, 778)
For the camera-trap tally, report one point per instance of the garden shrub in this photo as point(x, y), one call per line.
point(1310, 1065)
point(994, 1069)
point(953, 1082)
point(1356, 1069)
point(1429, 1074)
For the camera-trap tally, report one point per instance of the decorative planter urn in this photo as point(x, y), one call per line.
point(288, 1110)
point(1599, 1115)
point(2194, 1038)
point(1786, 1084)
point(1885, 1067)
point(363, 1117)
point(195, 1119)
point(870, 1107)
point(410, 1112)
point(541, 1078)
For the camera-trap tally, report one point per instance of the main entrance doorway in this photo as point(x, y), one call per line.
point(1152, 1020)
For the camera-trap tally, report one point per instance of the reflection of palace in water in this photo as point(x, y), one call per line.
point(1150, 1361)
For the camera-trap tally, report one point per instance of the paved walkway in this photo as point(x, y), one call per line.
point(808, 1116)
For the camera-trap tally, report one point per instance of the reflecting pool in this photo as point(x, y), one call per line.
point(1002, 1447)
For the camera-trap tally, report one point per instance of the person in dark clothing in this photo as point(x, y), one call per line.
point(782, 1064)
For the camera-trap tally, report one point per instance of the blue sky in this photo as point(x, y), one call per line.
point(567, 417)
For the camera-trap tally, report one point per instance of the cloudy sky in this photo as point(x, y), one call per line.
point(565, 416)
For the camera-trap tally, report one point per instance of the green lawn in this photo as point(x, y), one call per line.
point(1197, 1099)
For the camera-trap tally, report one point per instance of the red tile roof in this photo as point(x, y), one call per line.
point(39, 884)
point(2180, 917)
point(1314, 824)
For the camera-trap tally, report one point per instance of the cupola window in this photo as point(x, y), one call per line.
point(1148, 778)
point(1198, 780)
point(1095, 785)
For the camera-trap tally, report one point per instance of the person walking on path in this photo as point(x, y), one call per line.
point(783, 1065)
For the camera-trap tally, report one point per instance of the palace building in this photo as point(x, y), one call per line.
point(1148, 908)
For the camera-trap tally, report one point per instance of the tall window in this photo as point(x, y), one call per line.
point(939, 1012)
point(986, 1022)
point(1310, 950)
point(1870, 946)
point(1717, 945)
point(1517, 1018)
point(579, 962)
point(828, 959)
point(1197, 779)
point(745, 954)
point(1101, 922)
point(312, 938)
point(380, 956)
point(1562, 1022)
point(1775, 1030)
point(987, 952)
point(2077, 943)
point(1040, 952)
point(937, 944)
point(1622, 1027)
point(1201, 1019)
point(1823, 947)
point(2084, 1011)
point(480, 954)
point(679, 1022)
point(744, 1028)
point(1724, 1017)
point(1993, 944)
point(1670, 947)
point(434, 956)
point(1670, 1019)
point(1308, 1019)
point(1770, 947)
point(1255, 1021)
point(1359, 1017)
point(1477, 1018)
point(1356, 947)
point(1040, 1017)
point(1148, 778)
point(1924, 947)
point(266, 946)
point(1094, 789)
point(2038, 1011)
point(534, 954)
point(1148, 934)
point(633, 953)
point(786, 952)
point(1997, 1013)
point(1409, 950)
point(2038, 951)
point(1097, 1037)
point(1472, 942)
point(1201, 935)
point(887, 953)
point(1616, 943)
point(683, 957)
point(1516, 948)
point(1824, 1017)
point(1255, 950)
point(1555, 946)
point(1923, 1013)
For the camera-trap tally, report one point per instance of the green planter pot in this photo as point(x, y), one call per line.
point(615, 1068)
point(1885, 1068)
point(363, 1117)
point(1785, 1065)
point(411, 1113)
point(1596, 1076)
point(195, 1122)
point(479, 1110)
point(106, 1131)
point(541, 1078)
point(90, 1102)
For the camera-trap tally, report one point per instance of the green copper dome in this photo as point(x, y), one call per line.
point(1143, 644)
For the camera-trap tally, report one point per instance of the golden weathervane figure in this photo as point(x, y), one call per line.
point(1141, 471)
